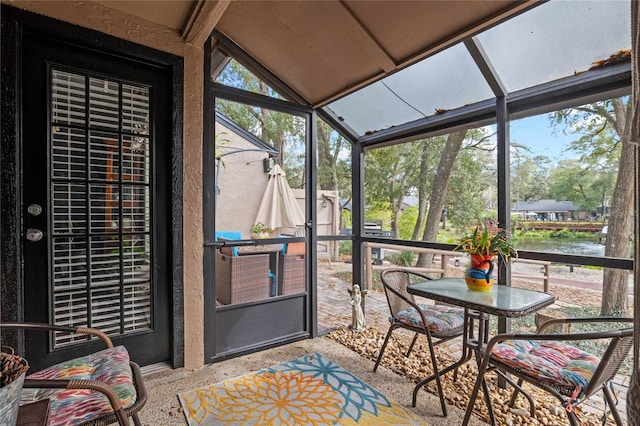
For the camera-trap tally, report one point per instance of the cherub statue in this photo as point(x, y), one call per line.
point(357, 323)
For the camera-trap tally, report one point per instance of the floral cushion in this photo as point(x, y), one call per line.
point(440, 318)
point(71, 407)
point(548, 361)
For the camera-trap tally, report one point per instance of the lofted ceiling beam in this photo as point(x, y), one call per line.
point(202, 20)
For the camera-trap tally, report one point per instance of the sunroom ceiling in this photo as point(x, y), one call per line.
point(554, 40)
point(326, 49)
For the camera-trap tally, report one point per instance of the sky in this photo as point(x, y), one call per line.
point(538, 134)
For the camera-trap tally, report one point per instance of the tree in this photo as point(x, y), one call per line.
point(579, 183)
point(439, 190)
point(604, 129)
point(334, 160)
point(390, 175)
point(529, 175)
point(284, 132)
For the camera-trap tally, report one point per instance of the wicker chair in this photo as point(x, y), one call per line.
point(434, 321)
point(110, 391)
point(292, 267)
point(547, 362)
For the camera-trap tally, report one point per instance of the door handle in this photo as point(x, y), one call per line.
point(34, 235)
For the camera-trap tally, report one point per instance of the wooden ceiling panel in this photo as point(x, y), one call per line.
point(310, 46)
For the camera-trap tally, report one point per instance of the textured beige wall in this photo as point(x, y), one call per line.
point(192, 184)
point(242, 181)
point(100, 18)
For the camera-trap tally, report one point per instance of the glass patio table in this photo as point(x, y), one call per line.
point(500, 301)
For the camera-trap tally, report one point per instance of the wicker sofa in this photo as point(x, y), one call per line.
point(241, 279)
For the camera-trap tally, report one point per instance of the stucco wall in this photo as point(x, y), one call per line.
point(100, 18)
point(192, 220)
point(241, 182)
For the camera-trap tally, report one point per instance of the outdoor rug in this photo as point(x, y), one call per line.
point(311, 390)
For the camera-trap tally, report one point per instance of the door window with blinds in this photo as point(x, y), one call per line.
point(100, 176)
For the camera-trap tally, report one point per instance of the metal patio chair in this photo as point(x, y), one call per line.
point(434, 321)
point(98, 389)
point(547, 362)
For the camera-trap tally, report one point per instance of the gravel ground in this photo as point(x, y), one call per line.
point(417, 365)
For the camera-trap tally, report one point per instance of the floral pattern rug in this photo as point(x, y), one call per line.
point(311, 390)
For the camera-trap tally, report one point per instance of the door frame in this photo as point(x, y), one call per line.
point(276, 329)
point(14, 23)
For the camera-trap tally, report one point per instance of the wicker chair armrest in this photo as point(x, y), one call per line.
point(582, 320)
point(420, 274)
point(52, 327)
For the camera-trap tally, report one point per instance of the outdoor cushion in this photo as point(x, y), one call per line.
point(441, 318)
point(229, 235)
point(553, 362)
point(71, 407)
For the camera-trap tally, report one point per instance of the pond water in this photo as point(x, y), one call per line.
point(580, 247)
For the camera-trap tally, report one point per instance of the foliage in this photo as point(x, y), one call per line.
point(220, 141)
point(407, 222)
point(402, 258)
point(334, 160)
point(529, 175)
point(487, 240)
point(346, 248)
point(260, 228)
point(575, 181)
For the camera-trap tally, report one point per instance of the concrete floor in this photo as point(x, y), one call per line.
point(163, 407)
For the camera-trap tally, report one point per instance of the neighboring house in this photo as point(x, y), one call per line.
point(547, 210)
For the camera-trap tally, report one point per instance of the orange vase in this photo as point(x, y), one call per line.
point(479, 275)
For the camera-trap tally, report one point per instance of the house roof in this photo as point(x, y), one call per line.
point(545, 206)
point(248, 136)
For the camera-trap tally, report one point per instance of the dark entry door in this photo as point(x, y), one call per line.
point(96, 184)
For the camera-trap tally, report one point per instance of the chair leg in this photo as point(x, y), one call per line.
point(136, 419)
point(518, 388)
point(612, 404)
point(514, 395)
point(413, 342)
point(384, 345)
point(434, 361)
point(436, 376)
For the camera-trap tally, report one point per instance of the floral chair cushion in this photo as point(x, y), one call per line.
point(552, 362)
point(71, 407)
point(440, 318)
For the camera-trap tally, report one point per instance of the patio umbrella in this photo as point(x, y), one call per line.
point(279, 208)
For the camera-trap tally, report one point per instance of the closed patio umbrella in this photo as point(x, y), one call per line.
point(279, 208)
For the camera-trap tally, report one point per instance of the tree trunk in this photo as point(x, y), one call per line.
point(615, 286)
point(439, 191)
point(422, 192)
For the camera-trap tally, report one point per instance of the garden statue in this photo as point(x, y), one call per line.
point(357, 321)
